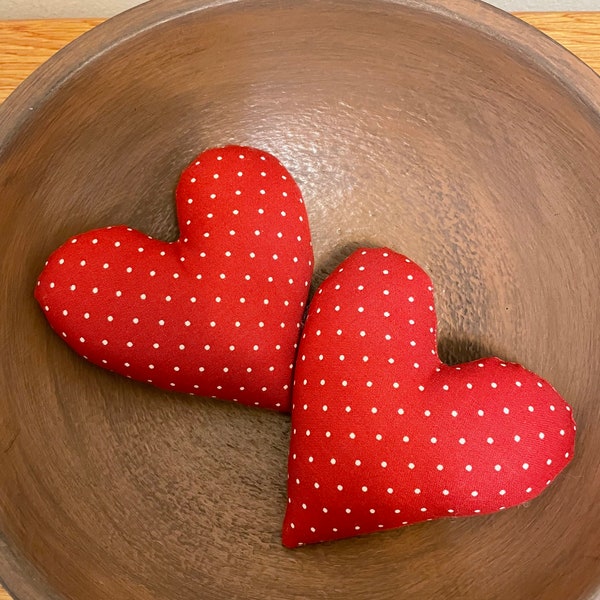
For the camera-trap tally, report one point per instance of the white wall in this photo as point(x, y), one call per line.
point(35, 9)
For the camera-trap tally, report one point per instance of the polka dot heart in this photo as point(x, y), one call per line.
point(385, 435)
point(216, 313)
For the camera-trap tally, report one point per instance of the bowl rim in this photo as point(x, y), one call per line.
point(529, 42)
point(19, 577)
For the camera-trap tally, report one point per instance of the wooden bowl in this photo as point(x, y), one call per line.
point(445, 129)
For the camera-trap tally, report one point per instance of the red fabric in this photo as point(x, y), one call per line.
point(216, 313)
point(385, 435)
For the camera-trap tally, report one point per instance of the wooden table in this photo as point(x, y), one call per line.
point(24, 45)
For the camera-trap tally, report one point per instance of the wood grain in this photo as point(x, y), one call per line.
point(578, 32)
point(484, 169)
point(25, 45)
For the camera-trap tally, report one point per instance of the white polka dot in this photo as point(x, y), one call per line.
point(462, 441)
point(490, 440)
point(411, 465)
point(469, 468)
point(517, 438)
point(525, 466)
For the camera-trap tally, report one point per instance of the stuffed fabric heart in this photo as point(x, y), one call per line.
point(216, 313)
point(385, 435)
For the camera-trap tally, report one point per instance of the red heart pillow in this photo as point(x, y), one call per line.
point(385, 435)
point(216, 313)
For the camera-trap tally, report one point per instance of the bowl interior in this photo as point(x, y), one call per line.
point(405, 124)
